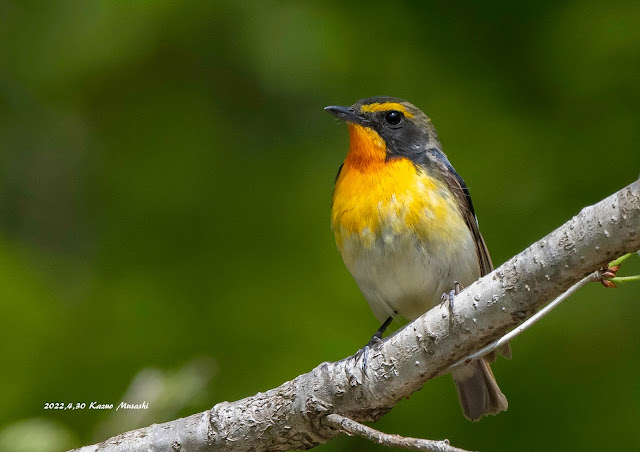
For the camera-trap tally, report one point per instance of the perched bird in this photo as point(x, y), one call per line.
point(406, 228)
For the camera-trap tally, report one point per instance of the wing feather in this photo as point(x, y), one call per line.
point(460, 192)
point(459, 189)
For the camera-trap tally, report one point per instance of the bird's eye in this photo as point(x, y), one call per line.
point(393, 117)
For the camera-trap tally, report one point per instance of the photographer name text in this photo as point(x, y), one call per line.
point(95, 406)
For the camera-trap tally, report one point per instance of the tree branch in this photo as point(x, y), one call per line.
point(294, 415)
point(504, 340)
point(351, 427)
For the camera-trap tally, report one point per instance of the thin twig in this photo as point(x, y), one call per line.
point(351, 427)
point(595, 276)
point(621, 259)
point(625, 279)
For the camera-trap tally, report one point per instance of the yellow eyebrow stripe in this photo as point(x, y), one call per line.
point(385, 106)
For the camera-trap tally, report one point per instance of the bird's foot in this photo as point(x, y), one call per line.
point(362, 355)
point(449, 297)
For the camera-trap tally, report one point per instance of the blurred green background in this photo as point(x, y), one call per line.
point(165, 185)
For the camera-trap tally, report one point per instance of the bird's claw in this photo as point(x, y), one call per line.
point(449, 297)
point(375, 340)
point(362, 355)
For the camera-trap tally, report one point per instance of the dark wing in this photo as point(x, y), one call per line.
point(334, 182)
point(461, 194)
point(338, 173)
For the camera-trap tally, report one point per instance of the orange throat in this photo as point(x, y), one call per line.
point(367, 150)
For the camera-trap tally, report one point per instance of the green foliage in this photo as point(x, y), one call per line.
point(166, 177)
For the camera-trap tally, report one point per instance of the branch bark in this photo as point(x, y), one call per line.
point(293, 415)
point(351, 427)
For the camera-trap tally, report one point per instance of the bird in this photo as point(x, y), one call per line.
point(406, 228)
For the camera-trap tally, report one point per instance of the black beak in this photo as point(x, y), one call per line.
point(346, 114)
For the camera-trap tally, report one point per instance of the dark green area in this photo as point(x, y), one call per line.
point(165, 179)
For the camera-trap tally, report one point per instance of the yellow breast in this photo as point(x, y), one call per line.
point(376, 198)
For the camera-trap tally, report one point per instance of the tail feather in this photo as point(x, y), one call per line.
point(478, 390)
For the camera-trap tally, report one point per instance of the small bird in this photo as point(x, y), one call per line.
point(406, 228)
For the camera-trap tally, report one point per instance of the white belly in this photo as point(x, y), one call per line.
point(402, 276)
